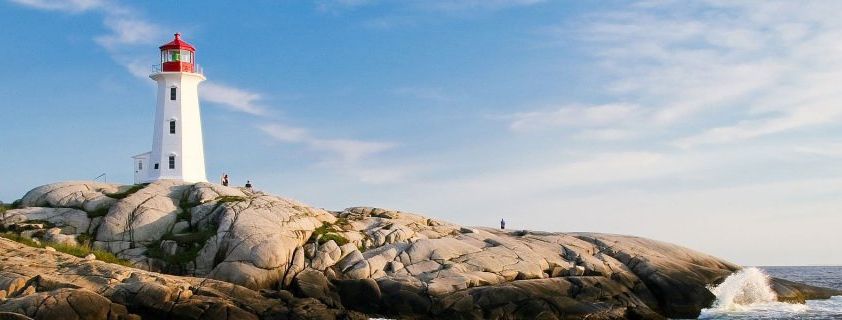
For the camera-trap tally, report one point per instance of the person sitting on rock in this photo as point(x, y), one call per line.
point(225, 179)
point(248, 184)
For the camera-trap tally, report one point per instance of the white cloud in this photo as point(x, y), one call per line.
point(346, 150)
point(424, 93)
point(463, 5)
point(352, 157)
point(574, 117)
point(72, 6)
point(128, 31)
point(328, 5)
point(607, 134)
point(284, 133)
point(748, 129)
point(827, 149)
point(733, 71)
point(232, 98)
point(350, 150)
point(450, 6)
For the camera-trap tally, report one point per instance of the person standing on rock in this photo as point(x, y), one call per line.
point(225, 179)
point(502, 224)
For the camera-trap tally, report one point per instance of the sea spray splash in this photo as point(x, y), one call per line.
point(748, 294)
point(745, 287)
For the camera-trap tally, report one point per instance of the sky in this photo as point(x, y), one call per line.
point(710, 124)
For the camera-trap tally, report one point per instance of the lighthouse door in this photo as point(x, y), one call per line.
point(141, 167)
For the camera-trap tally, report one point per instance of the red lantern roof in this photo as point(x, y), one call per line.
point(177, 43)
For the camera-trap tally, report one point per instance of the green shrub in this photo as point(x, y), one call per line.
point(184, 214)
point(190, 244)
point(326, 228)
point(338, 238)
point(153, 250)
point(127, 192)
point(199, 237)
point(327, 232)
point(85, 239)
point(98, 213)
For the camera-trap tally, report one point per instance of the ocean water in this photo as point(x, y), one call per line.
point(746, 295)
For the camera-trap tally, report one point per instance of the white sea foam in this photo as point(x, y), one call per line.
point(747, 294)
point(746, 287)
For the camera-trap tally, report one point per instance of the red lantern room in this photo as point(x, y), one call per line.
point(178, 56)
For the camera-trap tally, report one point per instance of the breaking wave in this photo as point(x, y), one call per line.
point(746, 287)
point(748, 294)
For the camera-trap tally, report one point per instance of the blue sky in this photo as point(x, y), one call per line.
point(710, 124)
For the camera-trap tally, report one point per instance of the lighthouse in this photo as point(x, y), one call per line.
point(177, 147)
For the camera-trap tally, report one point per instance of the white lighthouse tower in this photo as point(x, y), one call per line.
point(177, 148)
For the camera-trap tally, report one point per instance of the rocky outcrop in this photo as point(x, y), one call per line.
point(40, 284)
point(377, 261)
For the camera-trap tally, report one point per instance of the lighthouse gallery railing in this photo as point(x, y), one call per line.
point(157, 68)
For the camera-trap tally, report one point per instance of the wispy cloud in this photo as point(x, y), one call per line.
point(424, 93)
point(353, 157)
point(428, 5)
point(463, 5)
point(733, 71)
point(62, 5)
point(826, 149)
point(345, 149)
point(805, 116)
point(128, 31)
point(574, 116)
point(233, 98)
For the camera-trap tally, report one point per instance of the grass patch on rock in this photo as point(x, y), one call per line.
point(127, 192)
point(75, 250)
point(224, 199)
point(17, 238)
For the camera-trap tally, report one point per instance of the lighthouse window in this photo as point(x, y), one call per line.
point(175, 55)
point(156, 166)
point(172, 93)
point(172, 126)
point(140, 165)
point(172, 162)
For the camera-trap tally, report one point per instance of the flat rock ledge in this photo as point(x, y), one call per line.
point(213, 252)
